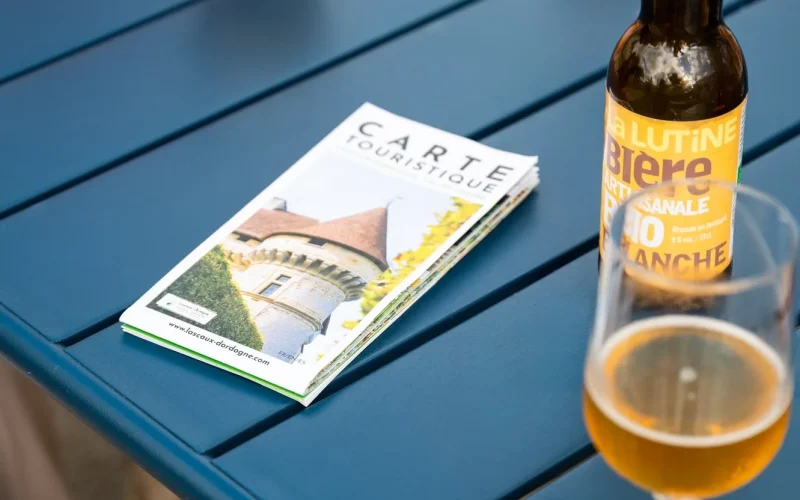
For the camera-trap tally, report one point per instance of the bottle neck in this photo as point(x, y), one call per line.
point(691, 16)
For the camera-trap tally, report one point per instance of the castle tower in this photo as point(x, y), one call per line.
point(294, 271)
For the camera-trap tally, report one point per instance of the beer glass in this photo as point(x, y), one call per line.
point(688, 379)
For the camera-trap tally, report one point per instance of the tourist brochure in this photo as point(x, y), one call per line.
point(304, 277)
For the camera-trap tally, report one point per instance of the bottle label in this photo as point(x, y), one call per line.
point(686, 233)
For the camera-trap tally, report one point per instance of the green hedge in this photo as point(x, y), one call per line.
point(208, 283)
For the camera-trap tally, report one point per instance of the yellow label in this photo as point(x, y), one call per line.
point(686, 233)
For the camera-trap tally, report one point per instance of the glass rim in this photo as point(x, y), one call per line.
point(711, 286)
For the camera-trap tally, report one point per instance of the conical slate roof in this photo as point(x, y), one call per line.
point(265, 223)
point(364, 233)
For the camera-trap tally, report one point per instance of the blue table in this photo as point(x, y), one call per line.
point(131, 130)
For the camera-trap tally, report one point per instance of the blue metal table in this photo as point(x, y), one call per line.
point(130, 130)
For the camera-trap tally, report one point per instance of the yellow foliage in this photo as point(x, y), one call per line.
point(350, 324)
point(406, 262)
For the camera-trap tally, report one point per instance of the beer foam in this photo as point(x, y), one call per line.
point(596, 364)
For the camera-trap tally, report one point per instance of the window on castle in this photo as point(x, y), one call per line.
point(241, 237)
point(283, 278)
point(317, 242)
point(271, 288)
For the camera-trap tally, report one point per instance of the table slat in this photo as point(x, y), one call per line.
point(35, 31)
point(478, 412)
point(91, 109)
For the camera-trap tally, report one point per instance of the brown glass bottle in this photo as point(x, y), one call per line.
point(677, 66)
point(678, 61)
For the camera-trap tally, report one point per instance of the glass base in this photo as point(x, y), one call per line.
point(658, 496)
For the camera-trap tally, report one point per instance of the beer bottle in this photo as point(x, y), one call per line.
point(676, 93)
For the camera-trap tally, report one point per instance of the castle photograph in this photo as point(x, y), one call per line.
point(294, 278)
point(294, 271)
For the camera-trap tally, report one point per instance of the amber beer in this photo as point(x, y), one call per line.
point(686, 405)
point(675, 109)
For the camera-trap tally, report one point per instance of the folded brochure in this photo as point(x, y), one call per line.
point(296, 284)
